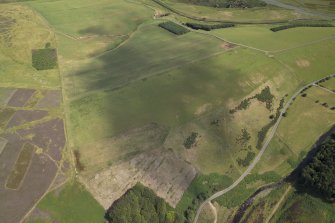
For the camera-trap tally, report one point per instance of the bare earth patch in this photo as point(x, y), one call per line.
point(203, 109)
point(302, 63)
point(161, 170)
point(228, 46)
point(100, 155)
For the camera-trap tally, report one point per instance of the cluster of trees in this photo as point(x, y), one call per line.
point(228, 3)
point(289, 26)
point(319, 174)
point(44, 59)
point(141, 205)
point(264, 96)
point(174, 28)
point(209, 27)
point(190, 140)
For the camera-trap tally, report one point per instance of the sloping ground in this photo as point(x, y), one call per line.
point(161, 170)
point(3, 143)
point(21, 31)
point(30, 154)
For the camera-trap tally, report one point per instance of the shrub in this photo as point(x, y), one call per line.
point(174, 28)
point(79, 165)
point(189, 142)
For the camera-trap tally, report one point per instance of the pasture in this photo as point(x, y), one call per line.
point(330, 84)
point(261, 37)
point(257, 14)
point(72, 204)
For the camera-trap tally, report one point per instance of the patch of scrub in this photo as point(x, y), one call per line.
point(44, 59)
point(148, 168)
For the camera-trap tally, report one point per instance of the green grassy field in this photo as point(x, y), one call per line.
point(263, 38)
point(330, 84)
point(302, 208)
point(256, 14)
point(72, 204)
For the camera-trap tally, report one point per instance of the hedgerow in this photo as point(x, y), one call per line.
point(208, 27)
point(290, 26)
point(174, 28)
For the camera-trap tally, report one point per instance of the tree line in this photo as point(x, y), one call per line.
point(319, 174)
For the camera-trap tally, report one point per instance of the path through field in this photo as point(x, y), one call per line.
point(274, 210)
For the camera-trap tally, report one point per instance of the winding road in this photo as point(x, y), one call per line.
point(260, 154)
point(298, 9)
